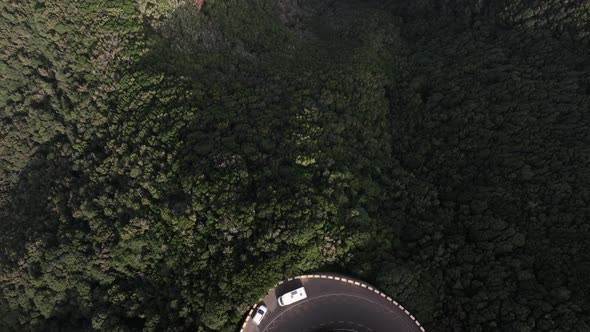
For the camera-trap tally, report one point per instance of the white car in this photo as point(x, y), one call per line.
point(292, 297)
point(260, 312)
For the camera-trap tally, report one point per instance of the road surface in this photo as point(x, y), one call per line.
point(334, 303)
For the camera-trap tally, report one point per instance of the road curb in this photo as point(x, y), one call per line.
point(341, 279)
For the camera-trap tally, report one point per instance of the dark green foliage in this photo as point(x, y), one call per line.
point(161, 167)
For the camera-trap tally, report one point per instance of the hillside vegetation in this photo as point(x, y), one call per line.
point(161, 166)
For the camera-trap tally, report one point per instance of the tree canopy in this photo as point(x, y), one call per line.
point(162, 166)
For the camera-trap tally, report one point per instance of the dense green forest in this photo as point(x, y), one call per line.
point(162, 166)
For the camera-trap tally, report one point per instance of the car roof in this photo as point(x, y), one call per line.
point(299, 291)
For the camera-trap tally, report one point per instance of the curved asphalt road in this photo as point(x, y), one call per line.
point(336, 303)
